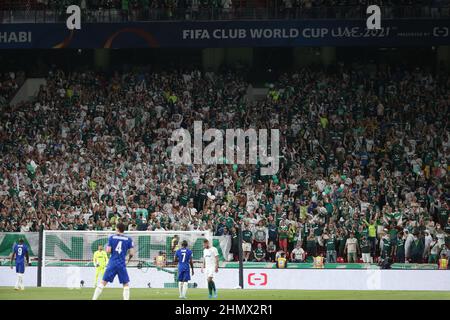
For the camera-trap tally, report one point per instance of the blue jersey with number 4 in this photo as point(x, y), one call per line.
point(120, 244)
point(184, 257)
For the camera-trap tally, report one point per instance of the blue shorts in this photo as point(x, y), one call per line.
point(184, 276)
point(20, 267)
point(120, 271)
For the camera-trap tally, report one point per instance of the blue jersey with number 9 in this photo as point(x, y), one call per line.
point(120, 244)
point(20, 250)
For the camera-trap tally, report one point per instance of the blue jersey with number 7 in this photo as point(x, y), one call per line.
point(120, 244)
point(184, 257)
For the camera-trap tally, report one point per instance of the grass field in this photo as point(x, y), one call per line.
point(7, 293)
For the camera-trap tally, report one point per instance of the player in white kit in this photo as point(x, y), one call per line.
point(210, 266)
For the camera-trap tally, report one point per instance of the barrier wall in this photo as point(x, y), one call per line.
point(302, 279)
point(232, 34)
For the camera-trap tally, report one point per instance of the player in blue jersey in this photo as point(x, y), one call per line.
point(184, 258)
point(118, 246)
point(20, 253)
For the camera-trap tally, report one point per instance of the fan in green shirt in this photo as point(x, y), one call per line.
point(393, 234)
point(311, 246)
point(329, 208)
point(229, 222)
point(443, 216)
point(317, 229)
point(386, 247)
point(394, 216)
point(184, 199)
point(259, 253)
point(400, 249)
point(292, 236)
point(330, 244)
point(247, 235)
point(278, 218)
point(365, 245)
point(142, 211)
point(81, 226)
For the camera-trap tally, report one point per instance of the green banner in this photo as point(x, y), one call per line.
point(8, 239)
point(80, 246)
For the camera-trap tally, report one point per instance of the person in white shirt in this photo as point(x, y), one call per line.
point(408, 242)
point(351, 248)
point(210, 266)
point(428, 240)
point(298, 254)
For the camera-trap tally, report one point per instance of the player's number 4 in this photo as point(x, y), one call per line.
point(119, 247)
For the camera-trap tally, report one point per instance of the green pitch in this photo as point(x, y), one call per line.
point(7, 293)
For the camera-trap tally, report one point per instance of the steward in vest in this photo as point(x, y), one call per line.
point(318, 262)
point(160, 260)
point(443, 262)
point(282, 262)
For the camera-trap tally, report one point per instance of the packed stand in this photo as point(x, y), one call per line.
point(363, 171)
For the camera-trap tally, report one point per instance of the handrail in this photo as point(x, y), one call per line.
point(270, 11)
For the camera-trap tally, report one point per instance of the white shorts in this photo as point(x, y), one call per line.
point(209, 272)
point(366, 257)
point(246, 246)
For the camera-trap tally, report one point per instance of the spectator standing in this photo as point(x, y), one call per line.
point(400, 255)
point(386, 245)
point(283, 236)
point(298, 254)
point(234, 250)
point(417, 248)
point(434, 250)
point(271, 251)
point(247, 239)
point(261, 234)
point(351, 248)
point(427, 245)
point(372, 235)
point(330, 245)
point(365, 250)
point(292, 236)
point(409, 238)
point(272, 231)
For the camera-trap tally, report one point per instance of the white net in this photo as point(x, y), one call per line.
point(76, 248)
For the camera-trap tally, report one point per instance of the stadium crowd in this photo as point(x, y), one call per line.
point(364, 149)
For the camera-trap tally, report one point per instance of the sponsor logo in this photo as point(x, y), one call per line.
point(257, 279)
point(440, 31)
